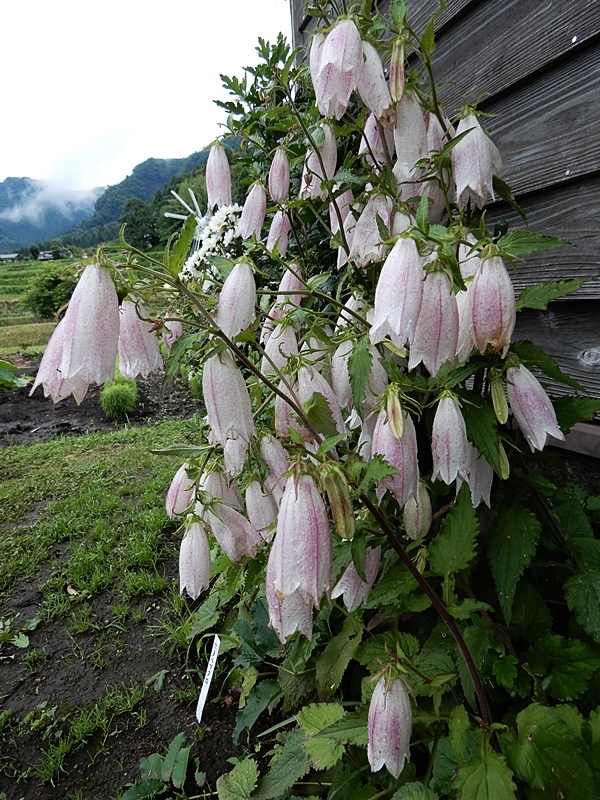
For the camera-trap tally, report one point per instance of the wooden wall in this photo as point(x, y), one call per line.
point(537, 64)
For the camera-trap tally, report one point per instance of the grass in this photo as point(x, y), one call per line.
point(25, 338)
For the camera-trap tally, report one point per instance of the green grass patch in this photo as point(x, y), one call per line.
point(21, 338)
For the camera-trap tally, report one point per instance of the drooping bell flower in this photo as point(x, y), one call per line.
point(375, 149)
point(475, 159)
point(348, 228)
point(284, 418)
point(301, 557)
point(449, 442)
point(493, 311)
point(291, 289)
point(253, 212)
point(83, 348)
point(340, 379)
point(468, 262)
point(531, 407)
point(310, 381)
point(480, 476)
point(216, 484)
point(341, 203)
point(315, 172)
point(399, 453)
point(281, 345)
point(262, 509)
point(366, 240)
point(436, 332)
point(237, 537)
point(417, 513)
point(279, 233)
point(237, 300)
point(372, 85)
point(437, 134)
point(314, 56)
point(410, 132)
point(399, 294)
point(138, 349)
point(286, 614)
point(352, 587)
point(276, 459)
point(194, 561)
point(336, 63)
point(390, 725)
point(228, 408)
point(218, 177)
point(279, 176)
point(180, 493)
point(173, 330)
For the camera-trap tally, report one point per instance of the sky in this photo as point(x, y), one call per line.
point(90, 88)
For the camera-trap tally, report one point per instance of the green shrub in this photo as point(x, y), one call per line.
point(118, 399)
point(48, 291)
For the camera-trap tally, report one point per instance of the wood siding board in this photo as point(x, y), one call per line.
point(498, 44)
point(572, 212)
point(570, 333)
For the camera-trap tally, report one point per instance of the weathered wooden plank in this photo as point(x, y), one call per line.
point(570, 212)
point(548, 130)
point(570, 333)
point(498, 44)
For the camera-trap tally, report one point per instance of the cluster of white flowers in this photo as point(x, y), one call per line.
point(213, 238)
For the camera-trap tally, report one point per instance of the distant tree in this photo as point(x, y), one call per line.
point(140, 218)
point(34, 251)
point(48, 291)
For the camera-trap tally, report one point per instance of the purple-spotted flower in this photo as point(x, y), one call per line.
point(372, 85)
point(389, 725)
point(180, 493)
point(236, 536)
point(218, 177)
point(262, 509)
point(334, 68)
point(410, 132)
point(399, 453)
point(279, 176)
point(237, 300)
point(319, 166)
point(449, 444)
point(493, 310)
point(279, 233)
point(366, 240)
point(531, 407)
point(475, 160)
point(138, 349)
point(351, 586)
point(253, 212)
point(436, 332)
point(194, 561)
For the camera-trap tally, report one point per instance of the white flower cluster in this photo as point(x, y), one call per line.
point(214, 239)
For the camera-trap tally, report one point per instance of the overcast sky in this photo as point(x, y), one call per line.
point(89, 90)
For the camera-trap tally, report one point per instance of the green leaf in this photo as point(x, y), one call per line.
point(582, 593)
point(504, 191)
point(180, 766)
point(144, 789)
point(374, 472)
point(428, 38)
point(423, 213)
point(530, 618)
point(259, 698)
point(588, 551)
point(319, 414)
point(333, 661)
point(549, 756)
point(539, 295)
point(359, 370)
point(351, 729)
point(169, 760)
point(382, 228)
point(511, 546)
point(482, 431)
point(565, 666)
point(20, 640)
point(571, 410)
point(239, 783)
point(520, 243)
point(414, 791)
point(181, 250)
point(505, 671)
point(485, 778)
point(532, 355)
point(380, 649)
point(323, 751)
point(395, 585)
point(458, 725)
point(289, 764)
point(454, 547)
point(206, 616)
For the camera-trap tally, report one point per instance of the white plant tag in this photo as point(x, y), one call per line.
point(208, 678)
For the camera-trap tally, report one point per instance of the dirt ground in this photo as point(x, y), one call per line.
point(132, 655)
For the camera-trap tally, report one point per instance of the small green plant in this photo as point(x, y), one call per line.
point(118, 399)
point(158, 774)
point(9, 378)
point(48, 291)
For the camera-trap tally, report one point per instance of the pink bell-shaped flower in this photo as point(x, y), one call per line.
point(262, 509)
point(399, 294)
point(281, 345)
point(399, 453)
point(279, 176)
point(372, 146)
point(237, 537)
point(180, 493)
point(173, 330)
point(390, 726)
point(276, 458)
point(83, 348)
point(372, 85)
point(475, 160)
point(138, 349)
point(336, 63)
point(216, 484)
point(436, 333)
point(352, 587)
point(366, 240)
point(286, 614)
point(449, 444)
point(253, 212)
point(279, 233)
point(531, 407)
point(417, 513)
point(301, 558)
point(284, 418)
point(493, 311)
point(468, 263)
point(340, 379)
point(410, 132)
point(481, 476)
point(342, 202)
point(315, 172)
point(237, 300)
point(291, 289)
point(218, 177)
point(194, 561)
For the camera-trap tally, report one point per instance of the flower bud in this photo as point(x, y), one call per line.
point(397, 70)
point(417, 513)
point(335, 484)
point(499, 401)
point(194, 561)
point(173, 330)
point(279, 233)
point(399, 453)
point(395, 415)
point(389, 724)
point(279, 176)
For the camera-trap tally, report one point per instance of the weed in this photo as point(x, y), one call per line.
point(34, 660)
point(119, 398)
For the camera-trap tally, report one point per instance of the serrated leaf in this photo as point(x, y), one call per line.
point(239, 783)
point(571, 410)
point(259, 698)
point(180, 766)
point(289, 764)
point(414, 791)
point(533, 355)
point(531, 618)
point(169, 760)
point(582, 593)
point(323, 752)
point(380, 649)
point(511, 546)
point(351, 729)
point(565, 666)
point(374, 472)
point(539, 295)
point(180, 252)
point(144, 789)
point(428, 38)
point(588, 551)
point(482, 432)
point(485, 778)
point(359, 370)
point(505, 671)
point(340, 650)
point(422, 217)
point(549, 756)
point(395, 585)
point(521, 243)
point(458, 725)
point(503, 190)
point(319, 415)
point(205, 617)
point(454, 547)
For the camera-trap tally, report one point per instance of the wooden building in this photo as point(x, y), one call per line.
point(536, 63)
